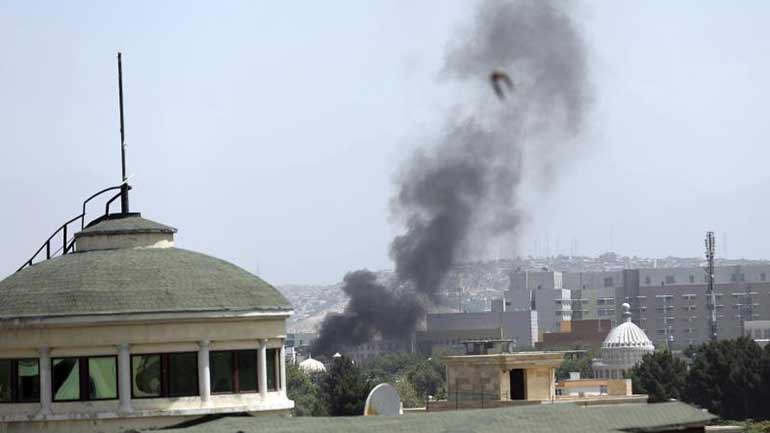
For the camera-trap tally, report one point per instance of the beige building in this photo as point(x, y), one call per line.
point(489, 371)
point(125, 331)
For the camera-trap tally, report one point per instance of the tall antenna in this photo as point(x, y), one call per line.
point(124, 186)
point(711, 300)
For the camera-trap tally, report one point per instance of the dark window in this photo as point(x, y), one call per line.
point(647, 280)
point(222, 371)
point(762, 277)
point(6, 379)
point(28, 380)
point(692, 278)
point(234, 371)
point(19, 380)
point(86, 378)
point(164, 375)
point(247, 370)
point(608, 282)
point(272, 369)
point(182, 374)
point(670, 279)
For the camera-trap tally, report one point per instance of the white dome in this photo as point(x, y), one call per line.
point(627, 335)
point(310, 365)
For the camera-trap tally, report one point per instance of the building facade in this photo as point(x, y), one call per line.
point(538, 291)
point(129, 332)
point(669, 304)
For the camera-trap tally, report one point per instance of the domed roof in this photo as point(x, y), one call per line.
point(627, 335)
point(310, 365)
point(134, 280)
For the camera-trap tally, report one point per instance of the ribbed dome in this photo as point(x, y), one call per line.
point(310, 365)
point(627, 334)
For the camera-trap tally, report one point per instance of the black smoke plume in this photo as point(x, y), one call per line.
point(460, 194)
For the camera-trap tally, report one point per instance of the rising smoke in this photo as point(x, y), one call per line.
point(461, 192)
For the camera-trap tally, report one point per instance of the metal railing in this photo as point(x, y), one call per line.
point(67, 244)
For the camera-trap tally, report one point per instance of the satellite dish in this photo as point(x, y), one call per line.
point(383, 400)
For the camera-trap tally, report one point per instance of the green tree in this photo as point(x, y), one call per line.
point(407, 393)
point(344, 388)
point(661, 376)
point(726, 377)
point(303, 389)
point(576, 362)
point(429, 378)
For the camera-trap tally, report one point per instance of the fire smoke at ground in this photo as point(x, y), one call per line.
point(459, 194)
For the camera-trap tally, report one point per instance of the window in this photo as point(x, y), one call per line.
point(762, 277)
point(692, 278)
point(164, 375)
point(86, 378)
point(272, 369)
point(19, 380)
point(608, 282)
point(235, 371)
point(670, 279)
point(647, 280)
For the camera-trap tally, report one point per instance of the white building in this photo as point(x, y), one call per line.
point(624, 347)
point(125, 331)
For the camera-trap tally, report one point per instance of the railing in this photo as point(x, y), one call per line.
point(68, 244)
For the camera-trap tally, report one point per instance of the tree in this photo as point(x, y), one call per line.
point(581, 364)
point(661, 376)
point(726, 378)
point(428, 378)
point(344, 388)
point(303, 389)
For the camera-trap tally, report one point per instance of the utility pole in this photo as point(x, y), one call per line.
point(124, 186)
point(711, 296)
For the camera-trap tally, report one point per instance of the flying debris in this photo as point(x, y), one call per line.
point(496, 77)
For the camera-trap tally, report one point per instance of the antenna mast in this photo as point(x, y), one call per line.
point(124, 186)
point(711, 296)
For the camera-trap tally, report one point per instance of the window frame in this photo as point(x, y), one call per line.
point(83, 379)
point(234, 373)
point(164, 376)
point(14, 382)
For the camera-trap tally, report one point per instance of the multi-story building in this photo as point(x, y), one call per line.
point(538, 291)
point(670, 304)
point(593, 294)
point(758, 330)
point(519, 326)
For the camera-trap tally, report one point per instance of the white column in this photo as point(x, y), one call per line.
point(124, 378)
point(262, 368)
point(204, 377)
point(283, 367)
point(46, 388)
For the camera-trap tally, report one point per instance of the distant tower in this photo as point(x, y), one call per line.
point(711, 296)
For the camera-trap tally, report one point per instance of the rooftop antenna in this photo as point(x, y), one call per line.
point(124, 186)
point(711, 296)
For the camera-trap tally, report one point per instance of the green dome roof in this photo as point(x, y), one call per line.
point(134, 280)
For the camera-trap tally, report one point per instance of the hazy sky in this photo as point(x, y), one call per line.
point(269, 133)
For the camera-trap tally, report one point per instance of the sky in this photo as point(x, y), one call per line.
point(270, 133)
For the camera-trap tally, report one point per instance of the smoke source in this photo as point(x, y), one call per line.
point(460, 194)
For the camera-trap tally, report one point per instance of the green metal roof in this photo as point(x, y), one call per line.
point(145, 280)
point(523, 419)
point(131, 224)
